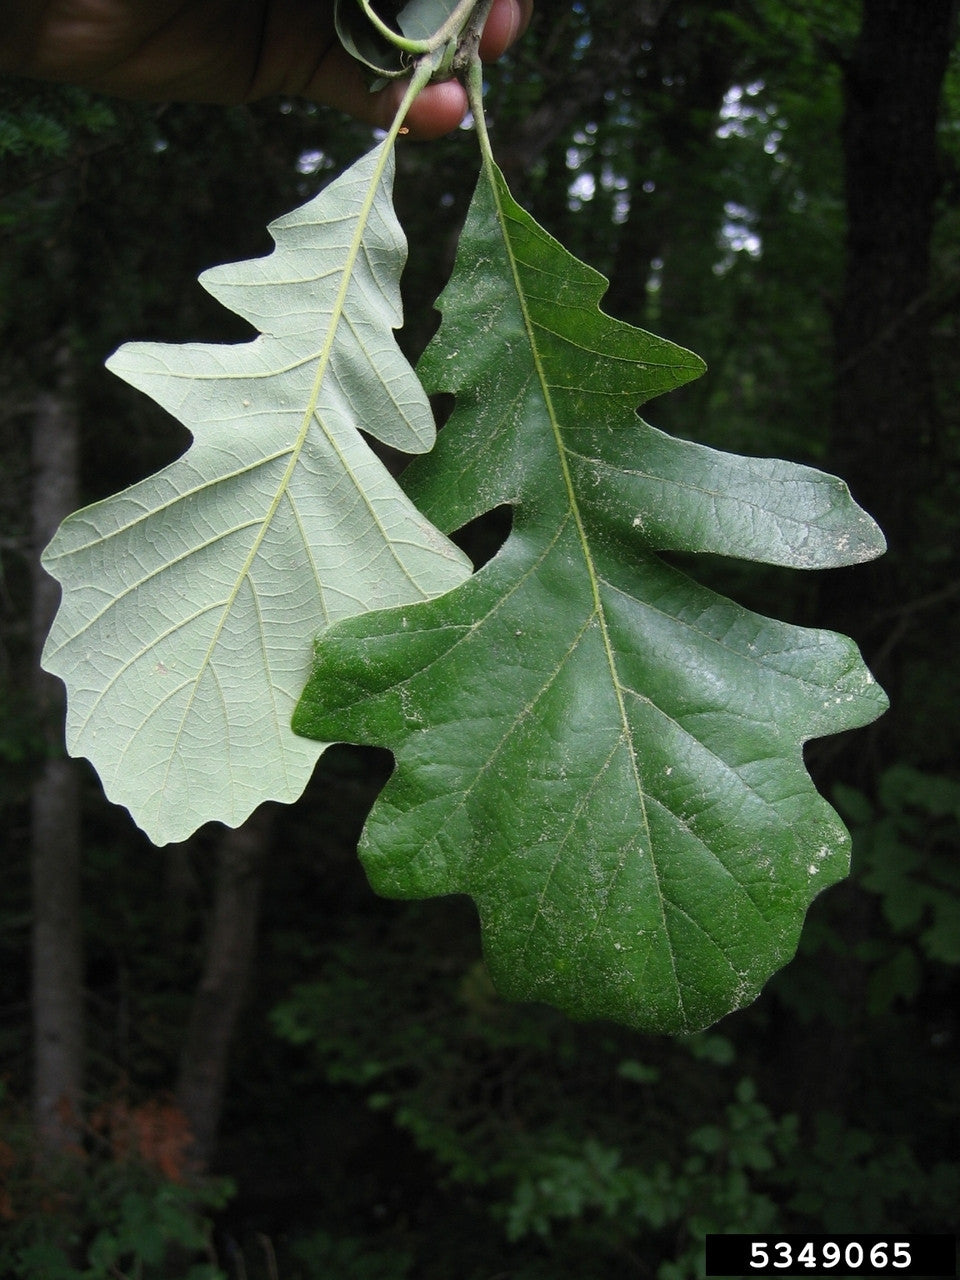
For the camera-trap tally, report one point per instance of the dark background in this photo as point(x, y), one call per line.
point(245, 1065)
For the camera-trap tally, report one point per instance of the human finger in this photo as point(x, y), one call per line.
point(439, 108)
point(507, 21)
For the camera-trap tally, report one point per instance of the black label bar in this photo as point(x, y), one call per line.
point(831, 1255)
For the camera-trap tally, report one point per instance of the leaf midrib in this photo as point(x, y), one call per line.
point(531, 327)
point(336, 314)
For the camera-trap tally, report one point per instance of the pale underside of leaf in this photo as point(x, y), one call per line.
point(191, 599)
point(604, 754)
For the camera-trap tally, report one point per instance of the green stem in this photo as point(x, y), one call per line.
point(469, 43)
point(394, 37)
point(422, 75)
point(450, 29)
point(474, 82)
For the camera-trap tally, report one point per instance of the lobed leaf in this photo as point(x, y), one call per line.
point(603, 753)
point(190, 600)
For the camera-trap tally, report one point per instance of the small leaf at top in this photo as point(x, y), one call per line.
point(415, 24)
point(603, 753)
point(422, 19)
point(191, 599)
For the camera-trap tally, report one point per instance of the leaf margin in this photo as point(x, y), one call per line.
point(165, 820)
point(353, 651)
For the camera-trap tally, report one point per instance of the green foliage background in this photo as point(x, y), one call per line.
point(388, 1116)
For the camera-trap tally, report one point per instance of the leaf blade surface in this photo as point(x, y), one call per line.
point(191, 599)
point(604, 754)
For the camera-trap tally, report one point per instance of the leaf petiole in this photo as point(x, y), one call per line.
point(474, 86)
point(423, 72)
point(396, 38)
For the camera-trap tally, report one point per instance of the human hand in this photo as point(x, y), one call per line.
point(225, 51)
point(439, 107)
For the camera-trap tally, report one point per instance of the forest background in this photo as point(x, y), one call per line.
point(228, 1058)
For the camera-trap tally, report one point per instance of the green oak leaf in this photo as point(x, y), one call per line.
point(190, 601)
point(606, 755)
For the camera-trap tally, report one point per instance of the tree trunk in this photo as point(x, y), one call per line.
point(57, 994)
point(885, 424)
point(885, 420)
point(231, 946)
